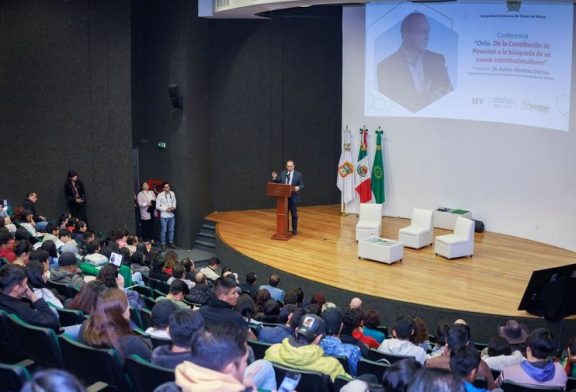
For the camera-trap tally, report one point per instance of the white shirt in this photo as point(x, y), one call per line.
point(144, 198)
point(165, 200)
point(290, 177)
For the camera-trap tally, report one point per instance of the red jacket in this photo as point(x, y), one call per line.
point(8, 253)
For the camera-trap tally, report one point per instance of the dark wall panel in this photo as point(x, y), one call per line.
point(65, 104)
point(171, 47)
point(276, 95)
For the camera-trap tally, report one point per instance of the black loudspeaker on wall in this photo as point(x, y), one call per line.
point(175, 96)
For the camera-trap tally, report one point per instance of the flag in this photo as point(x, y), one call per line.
point(362, 177)
point(378, 171)
point(346, 169)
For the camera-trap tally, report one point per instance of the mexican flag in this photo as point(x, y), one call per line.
point(362, 176)
point(378, 171)
point(345, 180)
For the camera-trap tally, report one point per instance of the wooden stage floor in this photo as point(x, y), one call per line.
point(325, 250)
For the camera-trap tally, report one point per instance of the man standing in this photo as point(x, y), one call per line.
point(166, 204)
point(413, 76)
point(294, 178)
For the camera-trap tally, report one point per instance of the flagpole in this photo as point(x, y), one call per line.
point(342, 205)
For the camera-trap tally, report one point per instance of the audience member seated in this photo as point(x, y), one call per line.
point(37, 281)
point(516, 334)
point(85, 300)
point(111, 277)
point(371, 321)
point(50, 247)
point(262, 296)
point(51, 233)
point(332, 345)
point(22, 250)
point(569, 361)
point(351, 331)
point(458, 336)
point(161, 312)
point(16, 297)
point(179, 272)
point(109, 327)
point(536, 370)
point(177, 292)
point(420, 336)
point(303, 351)
point(270, 312)
point(199, 294)
point(53, 380)
point(138, 264)
point(499, 355)
point(464, 362)
point(245, 306)
point(227, 273)
point(218, 362)
point(66, 243)
point(28, 223)
point(67, 272)
point(289, 318)
point(156, 267)
point(398, 376)
point(220, 309)
point(43, 258)
point(182, 325)
point(436, 380)
point(441, 333)
point(248, 286)
point(355, 303)
point(272, 287)
point(190, 268)
point(212, 272)
point(318, 299)
point(170, 260)
point(88, 269)
point(400, 343)
point(7, 245)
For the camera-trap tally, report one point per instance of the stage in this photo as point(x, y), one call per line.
point(325, 251)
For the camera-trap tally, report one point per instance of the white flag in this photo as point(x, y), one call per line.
point(346, 169)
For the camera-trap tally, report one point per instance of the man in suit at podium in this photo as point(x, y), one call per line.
point(294, 178)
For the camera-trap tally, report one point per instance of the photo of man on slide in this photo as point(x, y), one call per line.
point(413, 76)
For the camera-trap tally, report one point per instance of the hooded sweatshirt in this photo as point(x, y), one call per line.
point(73, 279)
point(403, 347)
point(543, 373)
point(191, 377)
point(163, 356)
point(307, 357)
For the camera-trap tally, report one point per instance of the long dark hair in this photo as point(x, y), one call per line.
point(107, 323)
point(85, 300)
point(35, 273)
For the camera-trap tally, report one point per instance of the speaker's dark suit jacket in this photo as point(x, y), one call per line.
point(297, 180)
point(395, 80)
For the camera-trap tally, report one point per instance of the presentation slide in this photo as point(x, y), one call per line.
point(498, 61)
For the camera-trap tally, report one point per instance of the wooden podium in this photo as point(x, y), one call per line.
point(281, 192)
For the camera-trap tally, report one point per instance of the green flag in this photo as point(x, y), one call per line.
point(378, 171)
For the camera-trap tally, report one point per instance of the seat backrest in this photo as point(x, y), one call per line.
point(509, 386)
point(571, 383)
point(146, 318)
point(464, 228)
point(13, 377)
point(375, 355)
point(365, 366)
point(160, 286)
point(94, 364)
point(144, 376)
point(70, 316)
point(310, 380)
point(422, 218)
point(259, 348)
point(343, 359)
point(36, 343)
point(370, 212)
point(62, 289)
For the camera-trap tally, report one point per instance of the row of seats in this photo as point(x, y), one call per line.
point(420, 232)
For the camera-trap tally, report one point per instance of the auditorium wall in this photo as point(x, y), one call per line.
point(65, 104)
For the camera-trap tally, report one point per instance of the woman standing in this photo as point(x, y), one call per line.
point(75, 196)
point(147, 203)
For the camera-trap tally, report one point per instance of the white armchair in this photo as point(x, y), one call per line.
point(458, 244)
point(419, 233)
point(369, 221)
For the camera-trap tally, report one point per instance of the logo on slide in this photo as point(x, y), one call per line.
point(513, 5)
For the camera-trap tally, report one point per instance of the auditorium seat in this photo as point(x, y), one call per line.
point(94, 365)
point(13, 376)
point(458, 244)
point(366, 366)
point(369, 221)
point(35, 343)
point(62, 289)
point(310, 380)
point(70, 317)
point(419, 233)
point(259, 348)
point(144, 376)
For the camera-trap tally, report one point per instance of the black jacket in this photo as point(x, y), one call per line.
point(220, 312)
point(37, 313)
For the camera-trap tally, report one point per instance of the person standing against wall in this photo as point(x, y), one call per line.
point(166, 204)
